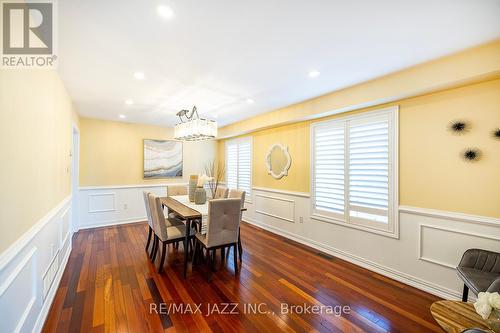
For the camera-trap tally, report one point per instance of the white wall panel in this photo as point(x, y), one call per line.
point(275, 206)
point(102, 206)
point(445, 246)
point(25, 263)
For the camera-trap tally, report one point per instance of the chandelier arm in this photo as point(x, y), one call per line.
point(195, 110)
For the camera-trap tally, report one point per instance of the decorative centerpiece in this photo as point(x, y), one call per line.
point(488, 307)
point(193, 181)
point(215, 172)
point(200, 195)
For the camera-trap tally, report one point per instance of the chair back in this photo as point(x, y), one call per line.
point(237, 194)
point(176, 190)
point(160, 227)
point(223, 221)
point(148, 208)
point(221, 192)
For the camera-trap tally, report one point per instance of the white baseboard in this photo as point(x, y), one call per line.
point(386, 271)
point(114, 222)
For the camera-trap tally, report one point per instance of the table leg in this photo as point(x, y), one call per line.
point(186, 245)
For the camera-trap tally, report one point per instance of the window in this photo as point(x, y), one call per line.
point(354, 171)
point(239, 165)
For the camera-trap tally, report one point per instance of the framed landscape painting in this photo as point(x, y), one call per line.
point(162, 159)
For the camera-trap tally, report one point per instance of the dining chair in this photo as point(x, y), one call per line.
point(221, 192)
point(176, 190)
point(223, 222)
point(239, 194)
point(168, 222)
point(166, 234)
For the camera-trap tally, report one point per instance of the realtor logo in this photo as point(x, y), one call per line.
point(27, 34)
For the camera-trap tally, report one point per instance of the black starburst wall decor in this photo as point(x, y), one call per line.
point(459, 126)
point(472, 154)
point(496, 133)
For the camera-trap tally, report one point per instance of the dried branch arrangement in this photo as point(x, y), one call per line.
point(214, 170)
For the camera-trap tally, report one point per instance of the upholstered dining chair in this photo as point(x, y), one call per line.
point(168, 222)
point(223, 222)
point(166, 234)
point(221, 192)
point(480, 271)
point(176, 190)
point(241, 195)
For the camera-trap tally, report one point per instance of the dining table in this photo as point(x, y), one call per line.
point(188, 212)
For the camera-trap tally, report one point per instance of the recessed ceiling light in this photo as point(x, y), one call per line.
point(165, 11)
point(139, 75)
point(250, 101)
point(129, 102)
point(122, 116)
point(313, 74)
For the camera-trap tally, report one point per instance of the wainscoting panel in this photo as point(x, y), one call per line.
point(31, 269)
point(277, 207)
point(108, 205)
point(101, 202)
point(448, 253)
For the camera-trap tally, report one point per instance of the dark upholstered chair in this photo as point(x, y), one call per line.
point(480, 271)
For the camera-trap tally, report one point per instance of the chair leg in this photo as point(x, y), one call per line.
point(156, 249)
point(153, 247)
point(150, 232)
point(465, 295)
point(240, 247)
point(209, 265)
point(222, 253)
point(162, 260)
point(235, 259)
point(195, 252)
point(214, 259)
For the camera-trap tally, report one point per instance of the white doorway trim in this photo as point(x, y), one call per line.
point(75, 176)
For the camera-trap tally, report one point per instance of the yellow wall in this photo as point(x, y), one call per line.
point(432, 174)
point(111, 153)
point(36, 117)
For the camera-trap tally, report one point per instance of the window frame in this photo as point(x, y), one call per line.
point(391, 229)
point(248, 196)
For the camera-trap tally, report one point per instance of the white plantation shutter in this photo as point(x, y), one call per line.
point(329, 169)
point(232, 165)
point(239, 165)
point(245, 167)
point(369, 168)
point(353, 173)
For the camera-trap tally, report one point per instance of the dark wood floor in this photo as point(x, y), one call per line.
point(109, 285)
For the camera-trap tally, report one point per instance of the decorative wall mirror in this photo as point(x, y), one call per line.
point(278, 161)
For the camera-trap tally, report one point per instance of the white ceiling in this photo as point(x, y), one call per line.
point(217, 54)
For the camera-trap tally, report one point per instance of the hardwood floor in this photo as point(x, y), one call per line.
point(109, 285)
